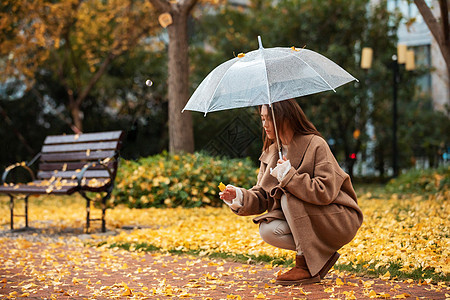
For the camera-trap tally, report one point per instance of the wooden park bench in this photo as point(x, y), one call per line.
point(80, 163)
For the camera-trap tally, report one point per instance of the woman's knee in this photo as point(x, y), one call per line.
point(273, 230)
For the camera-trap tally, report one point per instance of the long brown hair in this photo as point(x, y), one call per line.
point(288, 113)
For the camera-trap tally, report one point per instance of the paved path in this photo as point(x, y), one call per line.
point(61, 267)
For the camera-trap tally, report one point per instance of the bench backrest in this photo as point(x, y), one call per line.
point(63, 156)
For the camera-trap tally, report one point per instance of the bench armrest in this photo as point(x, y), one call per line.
point(23, 164)
point(102, 162)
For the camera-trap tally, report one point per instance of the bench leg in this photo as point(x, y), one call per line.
point(11, 208)
point(103, 214)
point(26, 211)
point(88, 209)
point(88, 214)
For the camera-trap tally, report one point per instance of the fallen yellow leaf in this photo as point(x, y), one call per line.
point(339, 282)
point(372, 294)
point(402, 296)
point(127, 292)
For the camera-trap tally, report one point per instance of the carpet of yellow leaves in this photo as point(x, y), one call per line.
point(411, 232)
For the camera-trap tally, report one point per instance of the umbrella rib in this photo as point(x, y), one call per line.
point(270, 102)
point(267, 76)
point(215, 89)
point(313, 70)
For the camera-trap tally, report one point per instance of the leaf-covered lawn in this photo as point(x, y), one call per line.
point(408, 237)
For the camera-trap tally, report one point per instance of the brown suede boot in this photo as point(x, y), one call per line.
point(298, 274)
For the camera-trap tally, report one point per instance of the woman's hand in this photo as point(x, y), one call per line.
point(280, 161)
point(228, 194)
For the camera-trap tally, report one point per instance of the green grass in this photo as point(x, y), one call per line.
point(362, 268)
point(242, 258)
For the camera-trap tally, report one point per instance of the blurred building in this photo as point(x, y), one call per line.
point(417, 36)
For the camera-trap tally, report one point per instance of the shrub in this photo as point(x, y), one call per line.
point(189, 180)
point(421, 181)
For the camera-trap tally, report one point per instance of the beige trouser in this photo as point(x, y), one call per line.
point(277, 233)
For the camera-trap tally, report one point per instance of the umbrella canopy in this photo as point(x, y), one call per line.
point(265, 76)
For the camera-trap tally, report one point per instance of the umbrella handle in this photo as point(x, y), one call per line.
point(280, 155)
point(276, 134)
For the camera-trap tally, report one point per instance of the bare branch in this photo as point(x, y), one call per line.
point(110, 58)
point(430, 20)
point(441, 35)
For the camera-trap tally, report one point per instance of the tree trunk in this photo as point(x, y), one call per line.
point(181, 136)
point(76, 117)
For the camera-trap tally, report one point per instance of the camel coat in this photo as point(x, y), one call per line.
point(323, 213)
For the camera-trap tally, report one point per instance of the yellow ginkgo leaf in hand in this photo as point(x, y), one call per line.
point(222, 187)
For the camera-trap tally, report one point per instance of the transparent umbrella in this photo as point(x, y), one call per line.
point(265, 76)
